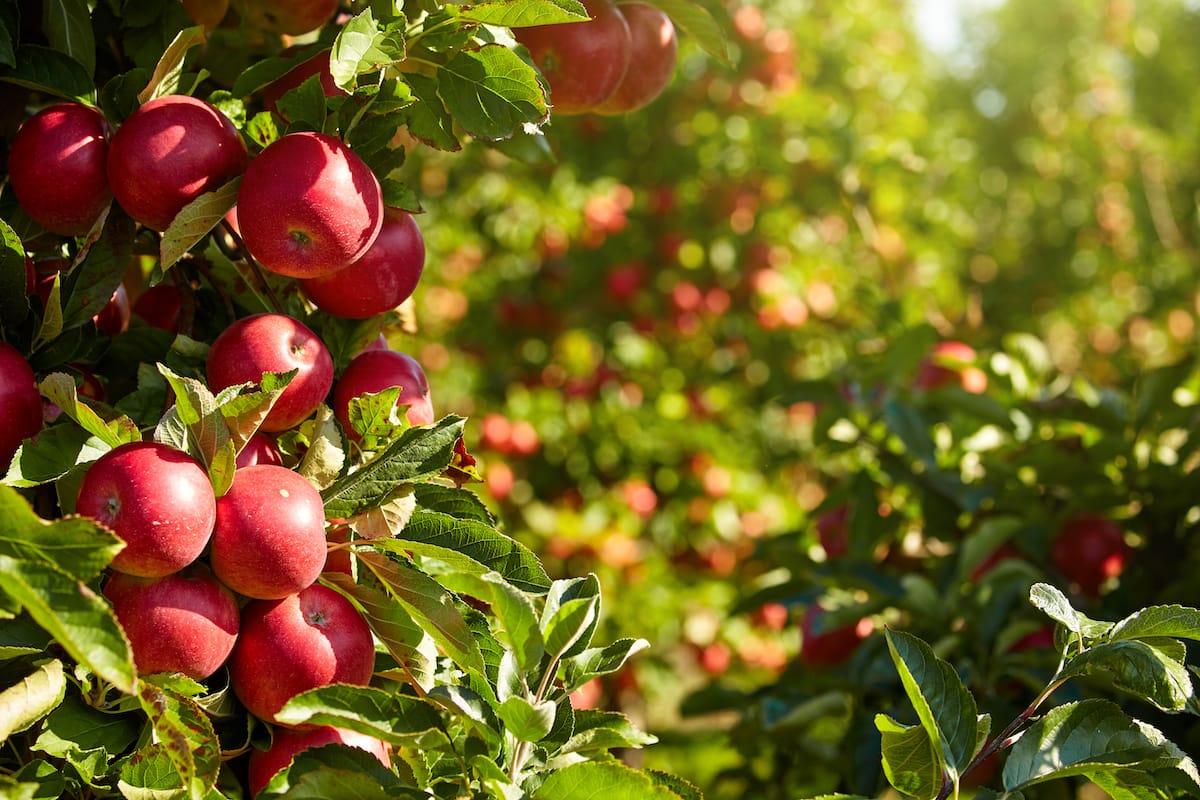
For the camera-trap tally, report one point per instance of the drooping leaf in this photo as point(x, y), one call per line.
point(1084, 738)
point(165, 79)
point(91, 283)
point(1178, 621)
point(427, 119)
point(59, 388)
point(394, 718)
point(186, 734)
point(491, 92)
point(341, 771)
point(45, 776)
point(77, 546)
point(944, 706)
point(31, 698)
point(54, 452)
point(74, 615)
point(1139, 667)
point(909, 760)
point(324, 457)
point(45, 69)
point(457, 503)
point(10, 29)
point(697, 21)
point(194, 221)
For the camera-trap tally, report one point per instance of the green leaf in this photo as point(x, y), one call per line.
point(10, 29)
point(207, 437)
point(598, 731)
point(52, 454)
point(492, 92)
point(517, 618)
point(165, 79)
point(59, 388)
point(338, 771)
point(31, 698)
point(581, 668)
point(430, 606)
point(471, 547)
point(427, 119)
point(562, 592)
point(244, 411)
point(572, 622)
point(395, 718)
point(1056, 606)
point(21, 636)
point(944, 706)
point(304, 104)
point(261, 129)
point(685, 789)
point(186, 733)
point(527, 721)
point(68, 27)
point(698, 22)
point(909, 760)
point(361, 46)
point(74, 615)
point(90, 284)
point(1138, 667)
point(412, 647)
point(77, 546)
point(590, 780)
point(457, 503)
point(262, 72)
point(86, 737)
point(151, 774)
point(14, 304)
point(44, 69)
point(524, 13)
point(194, 221)
point(47, 777)
point(324, 457)
point(418, 453)
point(1179, 621)
point(1085, 738)
point(375, 418)
point(907, 425)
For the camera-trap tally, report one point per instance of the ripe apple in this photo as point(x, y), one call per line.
point(167, 153)
point(208, 13)
point(113, 318)
point(314, 65)
point(57, 167)
point(308, 206)
point(273, 343)
point(286, 743)
point(157, 499)
point(1090, 549)
point(288, 17)
point(373, 371)
point(951, 363)
point(833, 531)
point(259, 449)
point(269, 538)
point(583, 62)
point(20, 403)
point(821, 646)
point(160, 307)
point(382, 279)
point(186, 622)
point(651, 60)
point(300, 642)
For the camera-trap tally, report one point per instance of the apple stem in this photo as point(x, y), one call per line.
point(272, 301)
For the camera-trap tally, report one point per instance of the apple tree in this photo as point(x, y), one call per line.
point(240, 550)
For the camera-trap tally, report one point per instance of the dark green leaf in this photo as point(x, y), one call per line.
point(1138, 667)
point(457, 503)
point(491, 92)
point(14, 304)
point(68, 27)
point(1178, 621)
point(48, 778)
point(52, 454)
point(427, 119)
point(10, 30)
point(45, 69)
point(394, 718)
point(339, 771)
point(76, 545)
point(86, 737)
point(305, 104)
point(90, 285)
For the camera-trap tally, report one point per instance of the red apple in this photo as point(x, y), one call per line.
point(314, 65)
point(160, 307)
point(167, 153)
point(273, 343)
point(259, 449)
point(583, 62)
point(157, 499)
point(821, 646)
point(373, 371)
point(651, 60)
point(951, 363)
point(833, 531)
point(20, 403)
point(186, 622)
point(300, 642)
point(114, 317)
point(382, 279)
point(309, 206)
point(57, 167)
point(1090, 549)
point(287, 743)
point(208, 13)
point(288, 17)
point(269, 538)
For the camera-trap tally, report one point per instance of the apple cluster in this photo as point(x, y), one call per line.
point(618, 61)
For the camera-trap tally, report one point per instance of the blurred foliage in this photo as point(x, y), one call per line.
point(684, 334)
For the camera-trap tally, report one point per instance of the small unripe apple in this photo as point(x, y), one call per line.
point(308, 206)
point(1090, 549)
point(300, 642)
point(263, 343)
point(186, 622)
point(286, 743)
point(167, 153)
point(651, 59)
point(269, 537)
point(157, 499)
point(20, 403)
point(57, 166)
point(382, 279)
point(821, 646)
point(583, 62)
point(373, 371)
point(951, 363)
